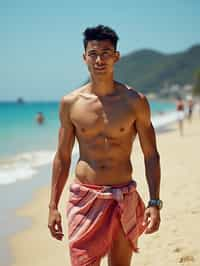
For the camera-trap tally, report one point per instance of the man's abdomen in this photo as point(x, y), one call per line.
point(103, 172)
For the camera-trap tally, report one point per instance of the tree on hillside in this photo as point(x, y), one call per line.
point(196, 87)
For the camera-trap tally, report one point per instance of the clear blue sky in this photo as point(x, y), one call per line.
point(41, 40)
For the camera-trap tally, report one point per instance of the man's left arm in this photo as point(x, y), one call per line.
point(147, 140)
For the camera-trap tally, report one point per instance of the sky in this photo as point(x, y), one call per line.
point(41, 41)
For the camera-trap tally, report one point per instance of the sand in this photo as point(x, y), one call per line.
point(178, 240)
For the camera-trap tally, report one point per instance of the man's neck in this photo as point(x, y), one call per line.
point(102, 87)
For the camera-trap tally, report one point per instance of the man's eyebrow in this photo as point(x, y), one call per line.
point(107, 49)
point(93, 50)
point(103, 49)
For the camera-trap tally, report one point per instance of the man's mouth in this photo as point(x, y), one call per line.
point(100, 67)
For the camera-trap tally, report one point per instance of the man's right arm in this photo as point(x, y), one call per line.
point(61, 166)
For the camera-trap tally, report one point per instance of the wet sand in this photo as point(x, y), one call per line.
point(176, 243)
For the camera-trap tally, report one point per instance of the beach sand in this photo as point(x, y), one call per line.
point(176, 243)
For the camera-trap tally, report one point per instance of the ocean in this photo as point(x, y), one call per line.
point(26, 152)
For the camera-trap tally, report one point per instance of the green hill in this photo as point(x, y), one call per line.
point(149, 70)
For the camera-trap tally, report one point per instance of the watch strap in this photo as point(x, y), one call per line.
point(155, 203)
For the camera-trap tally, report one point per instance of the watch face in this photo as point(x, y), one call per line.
point(160, 204)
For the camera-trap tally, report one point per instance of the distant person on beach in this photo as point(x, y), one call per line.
point(40, 118)
point(198, 108)
point(180, 108)
point(190, 105)
point(106, 214)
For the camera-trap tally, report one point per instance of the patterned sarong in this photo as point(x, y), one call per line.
point(95, 214)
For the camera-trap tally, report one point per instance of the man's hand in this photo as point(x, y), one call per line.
point(54, 224)
point(151, 220)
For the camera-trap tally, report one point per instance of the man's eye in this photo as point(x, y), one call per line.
point(92, 54)
point(106, 54)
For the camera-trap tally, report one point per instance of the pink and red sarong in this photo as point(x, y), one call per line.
point(95, 213)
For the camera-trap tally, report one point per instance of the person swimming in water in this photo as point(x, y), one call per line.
point(40, 118)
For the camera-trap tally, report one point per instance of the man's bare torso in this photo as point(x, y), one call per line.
point(105, 130)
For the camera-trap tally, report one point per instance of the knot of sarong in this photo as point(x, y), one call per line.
point(108, 192)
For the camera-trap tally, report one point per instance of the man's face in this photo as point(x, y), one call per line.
point(100, 57)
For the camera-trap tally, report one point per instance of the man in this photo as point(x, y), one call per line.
point(180, 106)
point(105, 212)
point(190, 104)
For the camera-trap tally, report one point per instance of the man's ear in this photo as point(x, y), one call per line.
point(84, 57)
point(117, 56)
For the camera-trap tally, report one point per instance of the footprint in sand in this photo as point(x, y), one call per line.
point(186, 258)
point(194, 212)
point(177, 250)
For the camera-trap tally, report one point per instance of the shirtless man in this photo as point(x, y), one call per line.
point(104, 116)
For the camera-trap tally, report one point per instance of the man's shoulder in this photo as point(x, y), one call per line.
point(135, 97)
point(138, 102)
point(71, 97)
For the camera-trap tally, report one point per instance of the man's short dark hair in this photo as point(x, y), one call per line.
point(100, 33)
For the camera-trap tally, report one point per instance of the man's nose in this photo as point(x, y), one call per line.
point(98, 59)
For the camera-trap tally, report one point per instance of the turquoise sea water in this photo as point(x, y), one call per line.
point(19, 131)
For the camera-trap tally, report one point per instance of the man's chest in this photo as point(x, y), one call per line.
point(95, 117)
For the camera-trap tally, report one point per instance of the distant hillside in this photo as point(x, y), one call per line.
point(148, 70)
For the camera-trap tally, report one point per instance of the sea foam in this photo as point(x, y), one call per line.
point(26, 165)
point(23, 166)
point(164, 119)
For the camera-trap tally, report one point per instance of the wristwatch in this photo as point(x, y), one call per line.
point(155, 203)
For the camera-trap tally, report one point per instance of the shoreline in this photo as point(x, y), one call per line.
point(13, 198)
point(28, 210)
